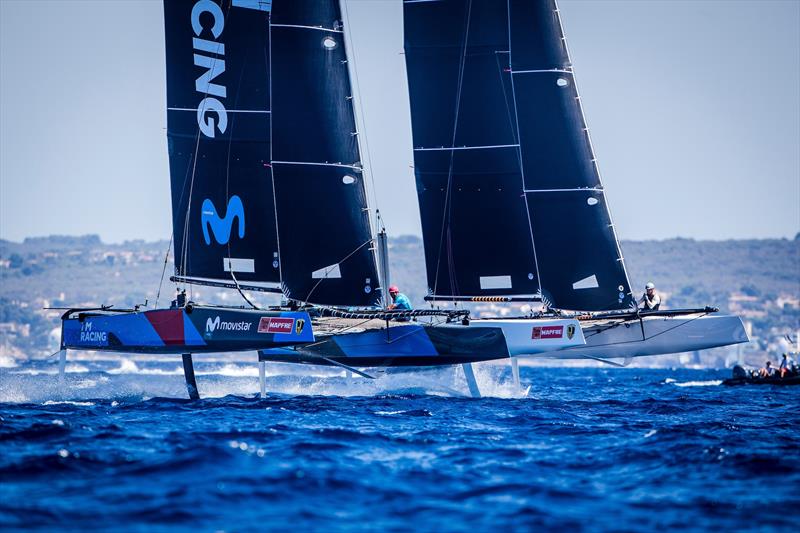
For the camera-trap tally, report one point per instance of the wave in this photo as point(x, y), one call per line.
point(710, 383)
point(126, 366)
point(52, 370)
point(7, 361)
point(230, 370)
point(130, 380)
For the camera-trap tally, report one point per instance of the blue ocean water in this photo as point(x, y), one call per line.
point(116, 446)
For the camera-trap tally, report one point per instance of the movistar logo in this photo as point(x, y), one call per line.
point(221, 227)
point(215, 324)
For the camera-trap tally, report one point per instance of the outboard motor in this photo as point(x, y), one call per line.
point(739, 372)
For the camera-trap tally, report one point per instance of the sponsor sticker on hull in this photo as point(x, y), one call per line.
point(91, 336)
point(271, 324)
point(220, 325)
point(547, 332)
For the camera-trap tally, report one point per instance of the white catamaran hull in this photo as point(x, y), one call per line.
point(653, 336)
point(534, 336)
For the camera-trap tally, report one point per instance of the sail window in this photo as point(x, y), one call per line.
point(562, 82)
point(592, 201)
point(235, 264)
point(586, 283)
point(329, 272)
point(329, 43)
point(348, 180)
point(495, 282)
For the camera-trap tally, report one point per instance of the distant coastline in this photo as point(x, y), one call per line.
point(758, 279)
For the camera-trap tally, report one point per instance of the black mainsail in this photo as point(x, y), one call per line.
point(263, 150)
point(509, 191)
point(326, 238)
point(218, 128)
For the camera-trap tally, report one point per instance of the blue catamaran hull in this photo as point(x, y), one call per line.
point(190, 329)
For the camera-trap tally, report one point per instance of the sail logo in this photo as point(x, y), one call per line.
point(547, 332)
point(221, 226)
point(217, 324)
point(209, 55)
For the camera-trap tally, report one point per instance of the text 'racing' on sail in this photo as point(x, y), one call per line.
point(263, 151)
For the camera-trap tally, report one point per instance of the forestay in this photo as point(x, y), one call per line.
point(266, 176)
point(509, 191)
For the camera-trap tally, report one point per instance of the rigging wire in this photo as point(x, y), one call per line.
point(185, 235)
point(338, 263)
point(447, 201)
point(164, 270)
point(361, 114)
point(358, 113)
point(268, 61)
point(227, 194)
point(519, 156)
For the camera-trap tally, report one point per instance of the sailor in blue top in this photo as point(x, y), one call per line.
point(401, 301)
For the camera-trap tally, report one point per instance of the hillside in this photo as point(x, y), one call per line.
point(758, 279)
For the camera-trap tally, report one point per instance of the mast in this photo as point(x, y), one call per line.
point(383, 265)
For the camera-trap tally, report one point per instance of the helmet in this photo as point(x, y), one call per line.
point(650, 285)
point(393, 289)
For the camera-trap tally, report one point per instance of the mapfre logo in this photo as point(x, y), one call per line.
point(217, 324)
point(547, 332)
point(269, 324)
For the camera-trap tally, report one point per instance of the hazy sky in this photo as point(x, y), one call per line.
point(694, 109)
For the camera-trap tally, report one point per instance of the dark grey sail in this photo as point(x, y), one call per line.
point(264, 161)
point(218, 128)
point(509, 192)
point(325, 235)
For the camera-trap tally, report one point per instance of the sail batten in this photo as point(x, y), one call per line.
point(445, 148)
point(510, 197)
